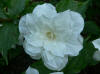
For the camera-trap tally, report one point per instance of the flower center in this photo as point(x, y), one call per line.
point(50, 35)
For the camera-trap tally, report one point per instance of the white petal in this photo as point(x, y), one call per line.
point(1, 25)
point(78, 22)
point(56, 48)
point(22, 25)
point(68, 22)
point(34, 52)
point(47, 10)
point(35, 39)
point(57, 73)
point(96, 56)
point(33, 23)
point(31, 70)
point(29, 24)
point(38, 24)
point(62, 26)
point(53, 62)
point(97, 43)
point(74, 45)
point(26, 25)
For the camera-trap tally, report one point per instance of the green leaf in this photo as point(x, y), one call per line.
point(64, 5)
point(15, 7)
point(76, 64)
point(91, 30)
point(72, 5)
point(30, 7)
point(2, 15)
point(8, 37)
point(82, 7)
point(14, 52)
point(54, 1)
point(40, 67)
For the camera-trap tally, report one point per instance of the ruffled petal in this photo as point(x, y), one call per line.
point(31, 70)
point(55, 47)
point(47, 10)
point(74, 45)
point(96, 43)
point(96, 56)
point(34, 52)
point(37, 24)
point(77, 22)
point(22, 25)
point(66, 23)
point(62, 26)
point(53, 62)
point(57, 73)
point(30, 24)
point(35, 39)
point(27, 24)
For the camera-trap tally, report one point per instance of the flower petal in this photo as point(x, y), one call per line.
point(96, 43)
point(57, 73)
point(68, 22)
point(30, 24)
point(34, 52)
point(38, 24)
point(55, 47)
point(77, 22)
point(74, 45)
point(27, 24)
point(96, 56)
point(53, 62)
point(22, 25)
point(35, 39)
point(31, 70)
point(62, 26)
point(47, 10)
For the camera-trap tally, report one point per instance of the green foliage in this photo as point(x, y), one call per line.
point(8, 37)
point(54, 1)
point(29, 7)
point(15, 7)
point(14, 52)
point(2, 15)
point(10, 11)
point(72, 5)
point(11, 8)
point(91, 30)
point(9, 31)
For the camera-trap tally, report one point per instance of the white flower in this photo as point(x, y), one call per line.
point(57, 73)
point(96, 56)
point(96, 44)
point(31, 70)
point(1, 25)
point(52, 36)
